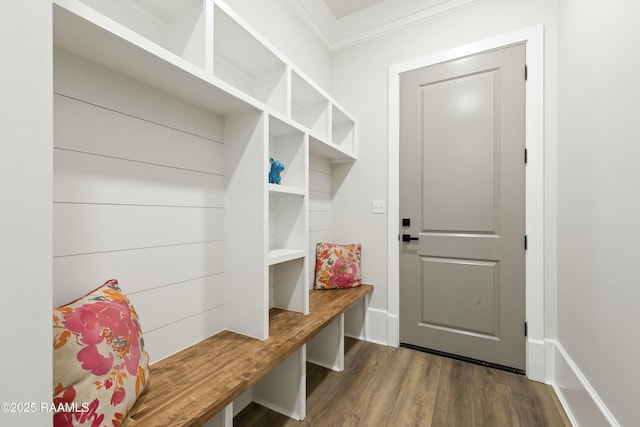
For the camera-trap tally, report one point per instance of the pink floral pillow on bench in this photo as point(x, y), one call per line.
point(100, 366)
point(337, 266)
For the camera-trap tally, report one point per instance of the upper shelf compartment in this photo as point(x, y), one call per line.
point(179, 26)
point(309, 107)
point(202, 52)
point(330, 151)
point(244, 62)
point(343, 130)
point(80, 29)
point(340, 147)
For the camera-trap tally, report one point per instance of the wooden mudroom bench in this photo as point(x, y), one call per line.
point(190, 387)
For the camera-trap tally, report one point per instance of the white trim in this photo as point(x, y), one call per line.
point(377, 326)
point(534, 39)
point(318, 18)
point(387, 17)
point(575, 392)
point(536, 351)
point(368, 23)
point(393, 328)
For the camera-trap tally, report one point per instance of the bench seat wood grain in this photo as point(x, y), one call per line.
point(191, 386)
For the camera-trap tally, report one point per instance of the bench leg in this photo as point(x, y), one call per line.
point(327, 348)
point(284, 389)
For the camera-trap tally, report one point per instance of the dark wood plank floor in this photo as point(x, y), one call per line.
point(385, 386)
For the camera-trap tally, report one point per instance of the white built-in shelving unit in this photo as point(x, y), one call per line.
point(202, 53)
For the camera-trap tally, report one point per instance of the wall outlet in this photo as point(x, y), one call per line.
point(378, 207)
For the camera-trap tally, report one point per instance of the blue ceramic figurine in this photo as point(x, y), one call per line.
point(276, 168)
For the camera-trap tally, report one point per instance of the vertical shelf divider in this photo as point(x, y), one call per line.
point(246, 209)
point(327, 348)
point(284, 388)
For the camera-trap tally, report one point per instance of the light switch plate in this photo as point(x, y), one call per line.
point(378, 207)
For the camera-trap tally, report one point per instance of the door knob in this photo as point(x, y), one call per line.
point(408, 238)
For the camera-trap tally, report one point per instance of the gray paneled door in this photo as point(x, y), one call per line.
point(462, 186)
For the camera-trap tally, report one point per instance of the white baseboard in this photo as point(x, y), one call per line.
point(580, 401)
point(377, 326)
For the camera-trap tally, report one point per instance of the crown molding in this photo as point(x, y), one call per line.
point(318, 17)
point(369, 23)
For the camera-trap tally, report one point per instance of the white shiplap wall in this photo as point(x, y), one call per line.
point(139, 197)
point(320, 208)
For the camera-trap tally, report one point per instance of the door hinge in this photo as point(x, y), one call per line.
point(526, 72)
point(526, 155)
point(526, 329)
point(526, 242)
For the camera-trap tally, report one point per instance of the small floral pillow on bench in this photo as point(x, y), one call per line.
point(100, 366)
point(337, 266)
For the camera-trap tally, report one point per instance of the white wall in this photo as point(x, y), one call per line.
point(280, 24)
point(359, 82)
point(599, 202)
point(26, 136)
point(591, 182)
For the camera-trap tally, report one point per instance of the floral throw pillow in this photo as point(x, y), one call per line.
point(100, 366)
point(337, 266)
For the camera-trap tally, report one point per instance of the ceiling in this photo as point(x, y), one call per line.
point(341, 8)
point(340, 23)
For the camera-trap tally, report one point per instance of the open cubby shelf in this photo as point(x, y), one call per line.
point(342, 130)
point(178, 26)
point(200, 51)
point(288, 145)
point(243, 61)
point(309, 107)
